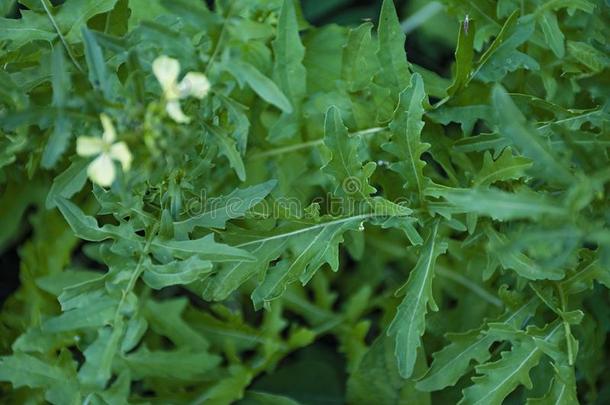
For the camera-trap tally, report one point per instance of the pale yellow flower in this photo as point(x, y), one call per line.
point(101, 170)
point(194, 84)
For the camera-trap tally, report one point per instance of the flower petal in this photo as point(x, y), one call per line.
point(175, 111)
point(101, 171)
point(109, 132)
point(119, 151)
point(166, 71)
point(194, 84)
point(89, 146)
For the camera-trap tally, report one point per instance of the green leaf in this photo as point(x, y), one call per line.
point(376, 380)
point(231, 276)
point(58, 141)
point(261, 84)
point(453, 361)
point(68, 18)
point(93, 311)
point(68, 183)
point(322, 61)
point(498, 379)
point(205, 248)
point(143, 10)
point(311, 248)
point(562, 390)
point(222, 209)
point(264, 398)
point(145, 363)
point(481, 143)
point(26, 370)
point(406, 144)
point(513, 126)
point(166, 318)
point(589, 56)
point(97, 369)
point(76, 13)
point(409, 322)
point(360, 62)
point(228, 148)
point(30, 27)
point(467, 116)
point(395, 73)
point(498, 204)
point(518, 261)
point(98, 72)
point(288, 71)
point(502, 56)
point(552, 33)
point(86, 227)
point(506, 167)
point(345, 167)
point(177, 272)
point(464, 55)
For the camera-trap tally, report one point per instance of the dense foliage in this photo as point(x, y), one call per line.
point(230, 204)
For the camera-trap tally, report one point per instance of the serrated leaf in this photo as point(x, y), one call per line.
point(481, 143)
point(406, 144)
point(97, 368)
point(467, 116)
point(498, 204)
point(562, 390)
point(552, 33)
point(502, 56)
point(68, 183)
point(230, 276)
point(93, 311)
point(34, 26)
point(86, 227)
point(589, 56)
point(145, 363)
point(350, 175)
point(165, 318)
point(500, 378)
point(219, 210)
point(312, 248)
point(205, 248)
point(409, 324)
point(513, 126)
point(453, 361)
point(177, 272)
point(288, 71)
point(228, 148)
point(26, 370)
point(506, 167)
point(359, 58)
point(289, 52)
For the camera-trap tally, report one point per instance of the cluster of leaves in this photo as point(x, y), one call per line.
point(449, 235)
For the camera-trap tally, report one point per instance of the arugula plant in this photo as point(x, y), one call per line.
point(199, 195)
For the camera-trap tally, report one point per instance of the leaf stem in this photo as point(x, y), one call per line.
point(136, 273)
point(467, 283)
point(310, 144)
point(61, 37)
point(220, 38)
point(566, 324)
